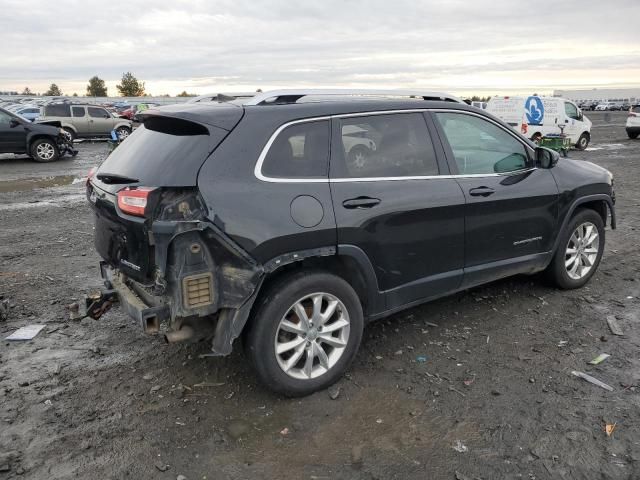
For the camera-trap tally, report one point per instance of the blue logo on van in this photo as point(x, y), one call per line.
point(534, 110)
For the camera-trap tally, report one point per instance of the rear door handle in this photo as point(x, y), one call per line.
point(360, 202)
point(481, 192)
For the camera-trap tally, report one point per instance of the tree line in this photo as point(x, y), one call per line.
point(129, 86)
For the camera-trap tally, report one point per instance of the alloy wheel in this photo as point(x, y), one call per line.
point(45, 151)
point(582, 250)
point(312, 336)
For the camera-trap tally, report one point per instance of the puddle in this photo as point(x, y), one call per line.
point(66, 200)
point(25, 184)
point(606, 146)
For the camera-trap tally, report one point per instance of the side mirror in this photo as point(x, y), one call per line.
point(546, 158)
point(13, 123)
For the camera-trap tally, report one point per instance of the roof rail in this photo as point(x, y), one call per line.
point(286, 96)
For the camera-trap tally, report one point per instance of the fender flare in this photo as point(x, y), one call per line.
point(580, 201)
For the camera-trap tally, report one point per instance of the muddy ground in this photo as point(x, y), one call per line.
point(487, 393)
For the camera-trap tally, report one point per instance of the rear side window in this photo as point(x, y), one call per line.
point(78, 111)
point(57, 110)
point(97, 112)
point(299, 151)
point(395, 145)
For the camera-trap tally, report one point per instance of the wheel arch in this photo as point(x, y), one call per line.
point(600, 203)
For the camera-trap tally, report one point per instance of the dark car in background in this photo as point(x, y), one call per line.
point(43, 143)
point(251, 219)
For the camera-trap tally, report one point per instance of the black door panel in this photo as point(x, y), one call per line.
point(511, 208)
point(411, 229)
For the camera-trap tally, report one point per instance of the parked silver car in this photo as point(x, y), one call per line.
point(84, 121)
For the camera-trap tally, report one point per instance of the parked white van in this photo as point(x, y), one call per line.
point(536, 116)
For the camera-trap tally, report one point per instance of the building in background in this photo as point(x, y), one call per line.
point(631, 95)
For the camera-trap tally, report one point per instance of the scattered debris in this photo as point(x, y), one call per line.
point(163, 467)
point(593, 380)
point(469, 381)
point(563, 343)
point(609, 428)
point(379, 420)
point(284, 431)
point(181, 477)
point(398, 352)
point(25, 333)
point(333, 391)
point(430, 324)
point(460, 447)
point(74, 311)
point(614, 326)
point(421, 358)
point(532, 380)
point(453, 389)
point(599, 359)
point(155, 388)
point(209, 384)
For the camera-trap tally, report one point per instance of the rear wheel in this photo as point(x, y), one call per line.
point(44, 150)
point(583, 141)
point(579, 251)
point(633, 135)
point(304, 333)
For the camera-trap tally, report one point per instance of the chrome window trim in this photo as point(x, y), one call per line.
point(263, 154)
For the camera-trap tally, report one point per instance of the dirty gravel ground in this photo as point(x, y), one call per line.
point(99, 400)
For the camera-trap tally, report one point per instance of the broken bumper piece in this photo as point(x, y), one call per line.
point(148, 316)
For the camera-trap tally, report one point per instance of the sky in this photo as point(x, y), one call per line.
point(464, 47)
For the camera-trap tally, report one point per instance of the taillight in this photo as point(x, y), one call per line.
point(133, 201)
point(631, 114)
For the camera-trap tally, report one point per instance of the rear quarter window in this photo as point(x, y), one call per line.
point(60, 110)
point(299, 151)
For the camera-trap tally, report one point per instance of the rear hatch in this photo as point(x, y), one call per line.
point(166, 152)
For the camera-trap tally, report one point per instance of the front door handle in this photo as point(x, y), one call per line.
point(481, 192)
point(360, 202)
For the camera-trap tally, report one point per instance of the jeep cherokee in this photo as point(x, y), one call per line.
point(251, 218)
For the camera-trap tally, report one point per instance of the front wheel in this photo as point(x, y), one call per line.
point(305, 332)
point(583, 142)
point(44, 150)
point(123, 132)
point(579, 251)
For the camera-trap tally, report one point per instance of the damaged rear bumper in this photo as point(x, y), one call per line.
point(148, 316)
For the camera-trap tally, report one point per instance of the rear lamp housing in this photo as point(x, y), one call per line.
point(133, 201)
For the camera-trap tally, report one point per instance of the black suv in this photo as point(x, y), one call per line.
point(294, 217)
point(43, 143)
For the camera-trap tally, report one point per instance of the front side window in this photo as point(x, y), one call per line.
point(78, 111)
point(97, 112)
point(299, 151)
point(383, 146)
point(571, 110)
point(481, 147)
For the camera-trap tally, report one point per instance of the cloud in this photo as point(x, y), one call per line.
point(207, 45)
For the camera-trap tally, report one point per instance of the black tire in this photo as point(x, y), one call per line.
point(123, 132)
point(557, 271)
point(633, 136)
point(278, 299)
point(44, 150)
point(583, 141)
point(70, 134)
